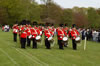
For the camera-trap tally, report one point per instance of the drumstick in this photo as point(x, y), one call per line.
point(85, 44)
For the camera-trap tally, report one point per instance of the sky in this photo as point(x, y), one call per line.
point(79, 3)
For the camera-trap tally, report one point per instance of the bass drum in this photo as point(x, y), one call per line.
point(65, 39)
point(50, 39)
point(38, 38)
point(78, 39)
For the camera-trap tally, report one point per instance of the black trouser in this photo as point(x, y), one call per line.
point(83, 37)
point(15, 37)
point(74, 44)
point(23, 42)
point(87, 37)
point(70, 35)
point(99, 39)
point(28, 42)
point(60, 42)
point(47, 43)
point(34, 43)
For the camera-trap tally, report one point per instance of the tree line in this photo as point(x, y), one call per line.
point(17, 10)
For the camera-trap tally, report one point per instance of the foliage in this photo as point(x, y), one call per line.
point(93, 18)
point(17, 10)
point(67, 17)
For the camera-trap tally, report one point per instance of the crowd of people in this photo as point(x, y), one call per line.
point(92, 35)
point(5, 28)
point(33, 33)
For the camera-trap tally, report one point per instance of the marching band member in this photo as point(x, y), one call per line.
point(19, 32)
point(66, 30)
point(40, 30)
point(61, 34)
point(2, 28)
point(74, 34)
point(57, 33)
point(48, 34)
point(51, 30)
point(69, 32)
point(23, 36)
point(15, 31)
point(34, 34)
point(28, 35)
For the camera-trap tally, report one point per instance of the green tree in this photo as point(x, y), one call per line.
point(67, 16)
point(21, 9)
point(80, 17)
point(93, 18)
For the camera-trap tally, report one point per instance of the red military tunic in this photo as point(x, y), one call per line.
point(40, 29)
point(66, 29)
point(47, 33)
point(23, 32)
point(19, 29)
point(57, 29)
point(61, 34)
point(34, 32)
point(69, 33)
point(41, 32)
point(29, 31)
point(51, 31)
point(74, 34)
point(15, 29)
point(3, 28)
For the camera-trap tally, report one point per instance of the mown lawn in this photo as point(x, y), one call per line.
point(12, 55)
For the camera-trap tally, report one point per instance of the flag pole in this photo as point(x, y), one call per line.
point(85, 44)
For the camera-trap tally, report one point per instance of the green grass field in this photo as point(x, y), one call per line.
point(12, 55)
